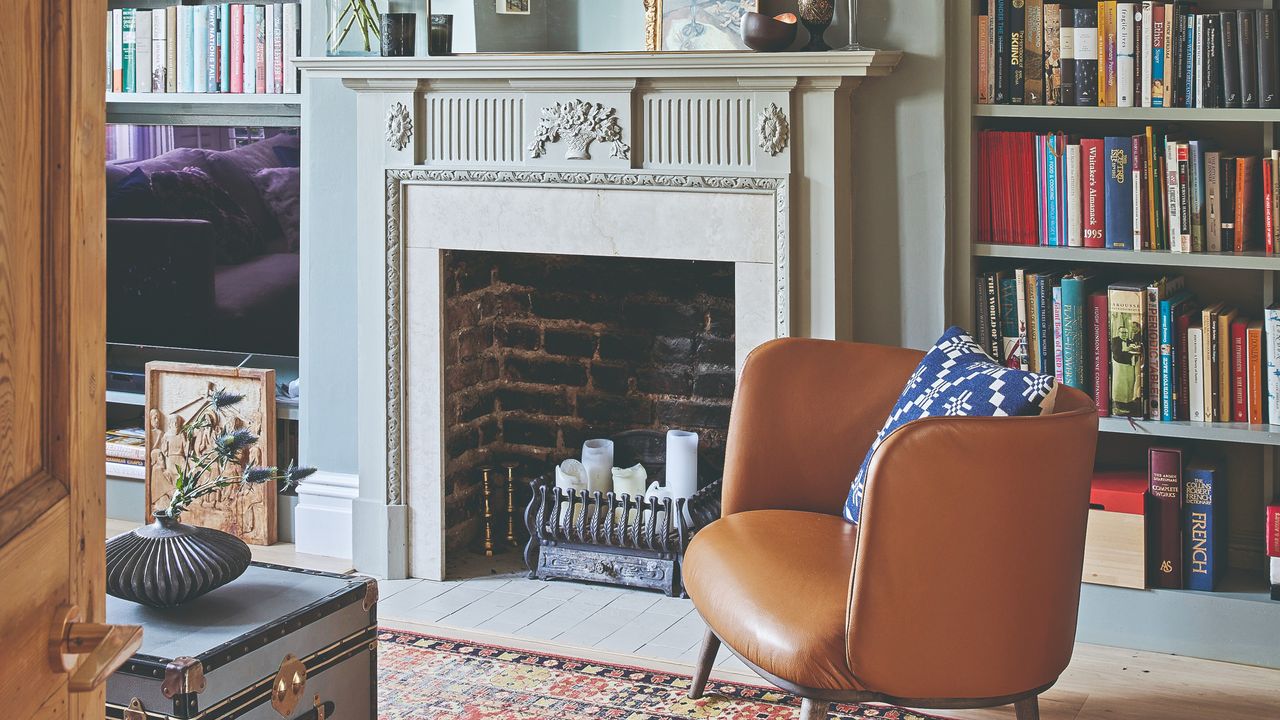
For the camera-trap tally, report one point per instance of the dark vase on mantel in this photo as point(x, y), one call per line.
point(168, 562)
point(816, 16)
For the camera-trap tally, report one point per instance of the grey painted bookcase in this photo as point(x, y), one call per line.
point(1239, 623)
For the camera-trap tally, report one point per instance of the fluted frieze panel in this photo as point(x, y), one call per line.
point(703, 130)
point(477, 129)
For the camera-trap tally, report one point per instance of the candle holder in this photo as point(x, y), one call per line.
point(488, 511)
point(854, 45)
point(816, 15)
point(398, 33)
point(510, 467)
point(440, 35)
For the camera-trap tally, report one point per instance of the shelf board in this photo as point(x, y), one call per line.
point(1252, 260)
point(1152, 115)
point(285, 409)
point(1181, 429)
point(272, 110)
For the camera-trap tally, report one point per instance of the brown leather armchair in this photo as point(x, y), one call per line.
point(960, 586)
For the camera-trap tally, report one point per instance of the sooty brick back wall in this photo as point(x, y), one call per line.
point(545, 351)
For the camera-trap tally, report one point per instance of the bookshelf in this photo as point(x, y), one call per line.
point(1239, 623)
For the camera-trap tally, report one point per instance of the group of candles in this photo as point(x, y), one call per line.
point(596, 471)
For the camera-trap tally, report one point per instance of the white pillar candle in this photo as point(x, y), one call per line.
point(682, 463)
point(630, 481)
point(597, 457)
point(571, 475)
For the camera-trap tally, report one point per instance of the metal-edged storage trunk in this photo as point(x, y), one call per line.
point(277, 642)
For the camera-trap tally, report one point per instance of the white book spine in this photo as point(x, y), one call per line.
point(250, 54)
point(1149, 20)
point(269, 36)
point(200, 49)
point(1171, 190)
point(1271, 336)
point(1199, 61)
point(185, 56)
point(159, 41)
point(117, 48)
point(125, 470)
point(142, 55)
point(291, 47)
point(1124, 54)
point(1195, 373)
point(110, 53)
point(1075, 204)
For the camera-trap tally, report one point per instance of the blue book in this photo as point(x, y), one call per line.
point(1204, 516)
point(1075, 295)
point(1189, 64)
point(1041, 195)
point(1169, 371)
point(1052, 184)
point(1119, 192)
point(224, 47)
point(186, 49)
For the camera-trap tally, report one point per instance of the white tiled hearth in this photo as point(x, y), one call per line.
point(736, 157)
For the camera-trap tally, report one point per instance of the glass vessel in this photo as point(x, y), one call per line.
point(854, 45)
point(352, 28)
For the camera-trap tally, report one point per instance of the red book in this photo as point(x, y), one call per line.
point(237, 48)
point(1164, 518)
point(1254, 368)
point(1239, 370)
point(1246, 188)
point(1101, 353)
point(1273, 530)
point(1268, 220)
point(1093, 198)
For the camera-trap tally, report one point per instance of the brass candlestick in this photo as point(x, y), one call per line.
point(488, 512)
point(511, 506)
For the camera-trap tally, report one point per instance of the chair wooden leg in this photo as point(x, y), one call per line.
point(814, 709)
point(706, 658)
point(1028, 709)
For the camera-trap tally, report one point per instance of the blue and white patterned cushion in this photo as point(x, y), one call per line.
point(956, 377)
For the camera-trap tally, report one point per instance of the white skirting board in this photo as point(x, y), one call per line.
point(322, 520)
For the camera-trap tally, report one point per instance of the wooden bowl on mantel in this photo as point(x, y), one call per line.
point(768, 34)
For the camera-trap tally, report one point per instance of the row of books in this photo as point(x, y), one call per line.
point(1151, 191)
point(1143, 349)
point(1126, 54)
point(220, 48)
point(1186, 521)
point(126, 452)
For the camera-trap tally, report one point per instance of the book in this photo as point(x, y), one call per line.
point(159, 49)
point(1086, 56)
point(268, 49)
point(1195, 372)
point(186, 51)
point(1043, 304)
point(1272, 530)
point(1223, 398)
point(1173, 192)
point(1056, 293)
point(1145, 26)
point(1227, 189)
point(1182, 387)
point(1268, 73)
point(292, 44)
point(250, 55)
point(1208, 68)
point(211, 49)
point(1125, 53)
point(1024, 334)
point(277, 48)
point(1107, 53)
point(132, 471)
point(1248, 59)
point(1100, 375)
point(1254, 387)
point(1157, 55)
point(1164, 518)
point(1138, 191)
point(1075, 291)
point(1074, 200)
point(1008, 300)
point(128, 49)
point(1000, 61)
point(1170, 55)
point(1204, 521)
point(1245, 190)
point(1126, 322)
point(1184, 197)
point(260, 47)
point(236, 49)
point(1239, 376)
point(110, 44)
point(1196, 76)
point(1067, 55)
point(1033, 53)
point(1271, 353)
point(224, 47)
point(1118, 226)
point(1228, 22)
point(171, 49)
point(142, 51)
point(1209, 362)
point(126, 444)
point(200, 48)
point(1195, 187)
point(1094, 168)
point(984, 61)
point(1163, 403)
point(1052, 53)
point(1212, 202)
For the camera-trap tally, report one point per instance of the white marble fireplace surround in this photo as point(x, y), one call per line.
point(734, 157)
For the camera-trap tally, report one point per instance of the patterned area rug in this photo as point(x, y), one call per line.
point(423, 677)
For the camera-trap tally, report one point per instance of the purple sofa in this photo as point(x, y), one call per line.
point(202, 248)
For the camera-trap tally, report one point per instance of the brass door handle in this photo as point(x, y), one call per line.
point(104, 648)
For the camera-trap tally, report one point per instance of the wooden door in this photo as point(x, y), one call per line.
point(52, 354)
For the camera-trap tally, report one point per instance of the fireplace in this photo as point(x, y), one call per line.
point(542, 352)
point(722, 201)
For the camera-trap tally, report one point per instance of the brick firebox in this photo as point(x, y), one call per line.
point(544, 351)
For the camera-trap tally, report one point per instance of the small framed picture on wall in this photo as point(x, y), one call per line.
point(513, 7)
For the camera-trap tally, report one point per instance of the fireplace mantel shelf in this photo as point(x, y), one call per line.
point(610, 65)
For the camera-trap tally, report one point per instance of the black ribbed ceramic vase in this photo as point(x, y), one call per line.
point(168, 563)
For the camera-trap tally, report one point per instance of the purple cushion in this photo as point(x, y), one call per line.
point(234, 170)
point(191, 193)
point(279, 190)
point(131, 197)
point(175, 159)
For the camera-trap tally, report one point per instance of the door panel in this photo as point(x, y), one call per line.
point(52, 354)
